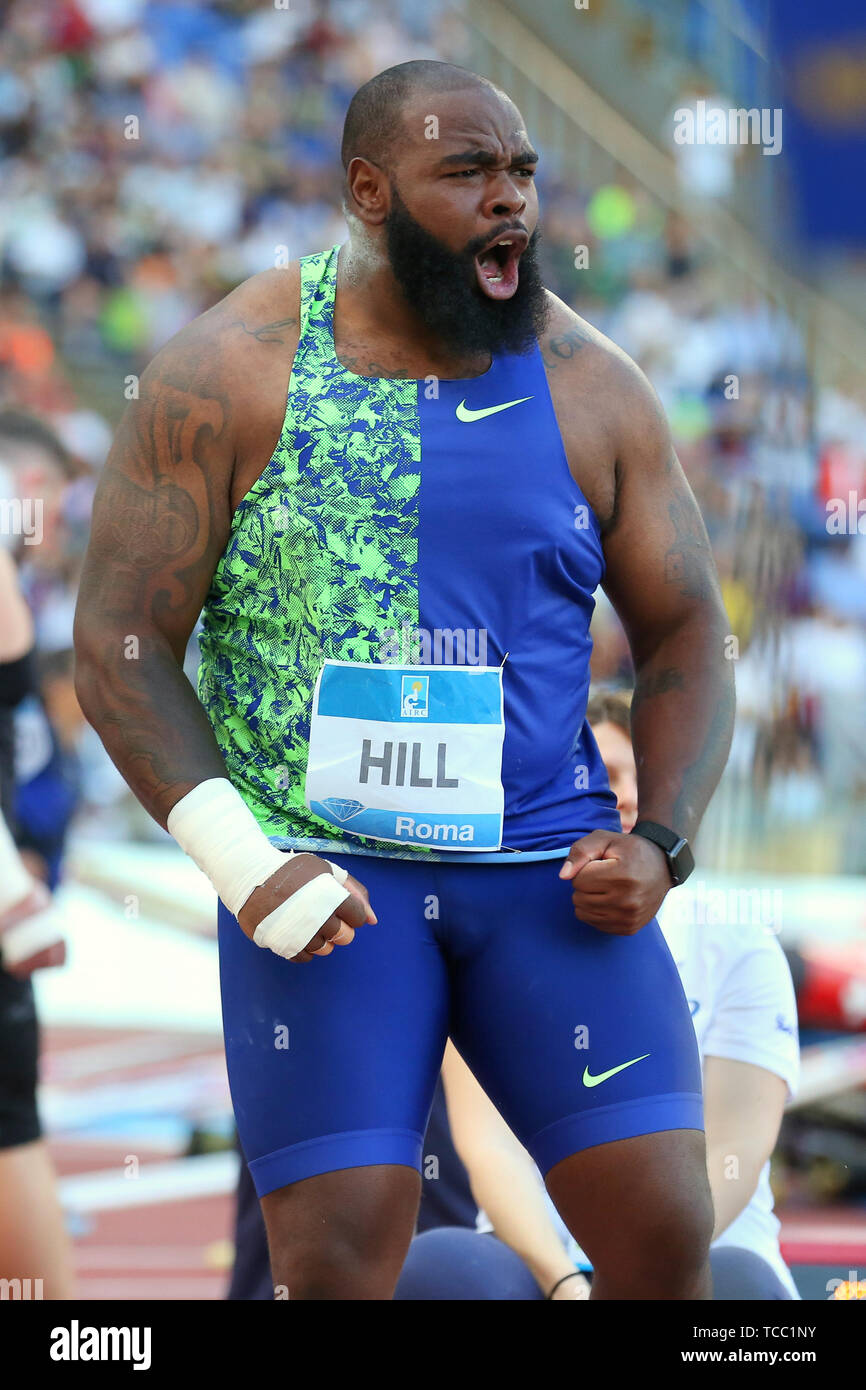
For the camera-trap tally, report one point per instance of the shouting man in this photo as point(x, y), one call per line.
point(390, 450)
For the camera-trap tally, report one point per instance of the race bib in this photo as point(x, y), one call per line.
point(409, 754)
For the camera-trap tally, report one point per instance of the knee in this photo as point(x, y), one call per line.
point(341, 1235)
point(338, 1259)
point(680, 1257)
point(332, 1266)
point(671, 1247)
point(663, 1252)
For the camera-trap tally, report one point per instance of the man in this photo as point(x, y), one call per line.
point(33, 1242)
point(459, 461)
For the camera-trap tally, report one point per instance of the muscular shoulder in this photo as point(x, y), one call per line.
point(239, 334)
point(264, 309)
point(604, 403)
point(228, 370)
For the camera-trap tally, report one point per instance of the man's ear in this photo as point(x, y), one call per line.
point(368, 191)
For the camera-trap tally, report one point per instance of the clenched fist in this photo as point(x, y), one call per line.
point(619, 881)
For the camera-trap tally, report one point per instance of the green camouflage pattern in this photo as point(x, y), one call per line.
point(321, 559)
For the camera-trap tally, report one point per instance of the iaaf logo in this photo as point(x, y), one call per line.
point(415, 697)
point(737, 126)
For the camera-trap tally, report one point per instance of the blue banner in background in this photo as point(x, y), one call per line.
point(818, 51)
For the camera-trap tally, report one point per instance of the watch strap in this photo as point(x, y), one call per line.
point(675, 847)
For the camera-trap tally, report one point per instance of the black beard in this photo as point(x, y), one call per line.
point(441, 286)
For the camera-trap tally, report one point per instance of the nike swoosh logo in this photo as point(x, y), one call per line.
point(589, 1080)
point(467, 415)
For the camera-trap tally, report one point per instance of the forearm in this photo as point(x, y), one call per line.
point(743, 1107)
point(505, 1184)
point(147, 714)
point(732, 1183)
point(682, 720)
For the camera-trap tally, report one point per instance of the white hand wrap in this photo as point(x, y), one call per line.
point(216, 828)
point(15, 882)
point(290, 926)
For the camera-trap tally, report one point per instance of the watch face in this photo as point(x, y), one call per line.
point(681, 861)
point(679, 856)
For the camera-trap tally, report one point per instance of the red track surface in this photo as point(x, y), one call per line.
point(169, 1249)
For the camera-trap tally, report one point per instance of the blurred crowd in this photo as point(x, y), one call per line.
point(153, 153)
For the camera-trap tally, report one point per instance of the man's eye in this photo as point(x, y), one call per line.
point(470, 173)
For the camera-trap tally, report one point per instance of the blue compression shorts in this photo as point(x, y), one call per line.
point(578, 1037)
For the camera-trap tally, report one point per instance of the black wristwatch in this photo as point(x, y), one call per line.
point(680, 859)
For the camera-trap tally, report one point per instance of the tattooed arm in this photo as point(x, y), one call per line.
point(161, 519)
point(661, 578)
point(160, 523)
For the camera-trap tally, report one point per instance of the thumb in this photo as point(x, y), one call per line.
point(359, 891)
point(584, 851)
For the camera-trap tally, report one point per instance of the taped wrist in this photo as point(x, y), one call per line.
point(216, 828)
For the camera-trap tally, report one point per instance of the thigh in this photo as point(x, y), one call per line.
point(453, 1263)
point(580, 1038)
point(332, 1064)
point(742, 1274)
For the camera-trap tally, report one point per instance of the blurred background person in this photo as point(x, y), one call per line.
point(33, 1242)
point(741, 999)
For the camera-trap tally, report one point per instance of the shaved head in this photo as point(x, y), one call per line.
point(373, 127)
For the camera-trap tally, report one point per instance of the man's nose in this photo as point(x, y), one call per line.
point(505, 198)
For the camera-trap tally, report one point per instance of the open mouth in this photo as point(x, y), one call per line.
point(496, 266)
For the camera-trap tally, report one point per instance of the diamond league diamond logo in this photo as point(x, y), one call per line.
point(342, 807)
